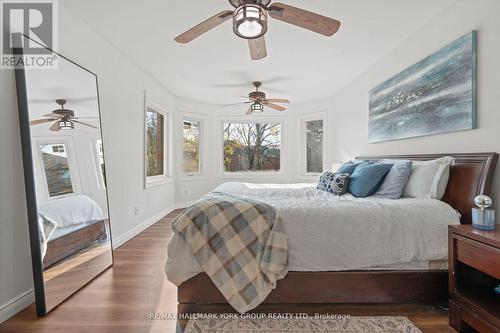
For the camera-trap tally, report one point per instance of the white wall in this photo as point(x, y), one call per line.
point(188, 190)
point(121, 86)
point(350, 106)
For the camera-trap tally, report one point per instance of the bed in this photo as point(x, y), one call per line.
point(69, 225)
point(406, 269)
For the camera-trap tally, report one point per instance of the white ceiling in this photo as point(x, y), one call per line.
point(216, 68)
point(70, 82)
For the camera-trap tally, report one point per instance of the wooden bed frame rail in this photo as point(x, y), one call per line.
point(69, 244)
point(471, 175)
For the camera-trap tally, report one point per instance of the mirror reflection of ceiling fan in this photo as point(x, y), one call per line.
point(258, 100)
point(250, 21)
point(64, 119)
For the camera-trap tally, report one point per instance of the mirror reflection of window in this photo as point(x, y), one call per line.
point(155, 135)
point(100, 161)
point(56, 167)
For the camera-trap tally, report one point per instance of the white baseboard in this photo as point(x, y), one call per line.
point(122, 239)
point(184, 204)
point(17, 304)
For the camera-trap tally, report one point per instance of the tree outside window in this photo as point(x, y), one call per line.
point(314, 146)
point(252, 147)
point(191, 146)
point(155, 143)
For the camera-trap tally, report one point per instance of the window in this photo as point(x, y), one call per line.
point(191, 146)
point(252, 147)
point(314, 146)
point(157, 167)
point(100, 161)
point(56, 169)
point(155, 134)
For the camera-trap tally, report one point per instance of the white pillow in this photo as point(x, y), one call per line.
point(428, 179)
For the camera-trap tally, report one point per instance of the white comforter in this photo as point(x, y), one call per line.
point(70, 211)
point(329, 233)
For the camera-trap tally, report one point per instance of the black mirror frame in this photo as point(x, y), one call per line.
point(29, 176)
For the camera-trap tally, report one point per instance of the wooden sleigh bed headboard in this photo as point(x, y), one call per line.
point(471, 175)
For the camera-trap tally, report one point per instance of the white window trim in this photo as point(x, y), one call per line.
point(302, 119)
point(167, 176)
point(250, 174)
point(194, 176)
point(72, 163)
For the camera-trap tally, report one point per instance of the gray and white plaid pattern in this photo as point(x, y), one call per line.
point(240, 244)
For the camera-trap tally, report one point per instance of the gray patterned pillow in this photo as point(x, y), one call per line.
point(335, 183)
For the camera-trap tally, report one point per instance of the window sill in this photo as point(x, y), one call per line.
point(310, 175)
point(157, 182)
point(192, 178)
point(309, 178)
point(258, 175)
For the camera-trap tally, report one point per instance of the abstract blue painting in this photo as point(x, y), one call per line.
point(436, 95)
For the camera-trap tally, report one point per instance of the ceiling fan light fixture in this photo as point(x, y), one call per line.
point(257, 107)
point(66, 125)
point(250, 21)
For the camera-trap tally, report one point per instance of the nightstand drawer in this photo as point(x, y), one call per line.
point(478, 255)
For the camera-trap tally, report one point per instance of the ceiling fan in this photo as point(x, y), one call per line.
point(258, 99)
point(250, 21)
point(64, 119)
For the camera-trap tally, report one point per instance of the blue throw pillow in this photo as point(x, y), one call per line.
point(394, 183)
point(366, 178)
point(348, 167)
point(335, 183)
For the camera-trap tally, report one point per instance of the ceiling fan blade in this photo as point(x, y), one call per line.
point(203, 27)
point(85, 124)
point(304, 19)
point(249, 111)
point(55, 126)
point(277, 100)
point(233, 104)
point(41, 121)
point(274, 106)
point(53, 115)
point(258, 48)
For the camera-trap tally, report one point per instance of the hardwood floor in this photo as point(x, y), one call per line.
point(123, 297)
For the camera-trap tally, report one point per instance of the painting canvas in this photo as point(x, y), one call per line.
point(436, 95)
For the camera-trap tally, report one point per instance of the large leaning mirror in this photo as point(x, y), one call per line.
point(65, 178)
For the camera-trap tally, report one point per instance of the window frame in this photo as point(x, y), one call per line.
point(254, 174)
point(72, 164)
point(192, 176)
point(166, 176)
point(101, 184)
point(303, 119)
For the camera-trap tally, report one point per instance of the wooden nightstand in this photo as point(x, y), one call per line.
point(474, 271)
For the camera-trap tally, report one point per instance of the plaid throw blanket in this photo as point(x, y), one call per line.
point(241, 245)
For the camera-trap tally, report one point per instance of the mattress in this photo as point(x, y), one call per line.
point(330, 233)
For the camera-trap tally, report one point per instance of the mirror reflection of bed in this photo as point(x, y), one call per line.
point(70, 178)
